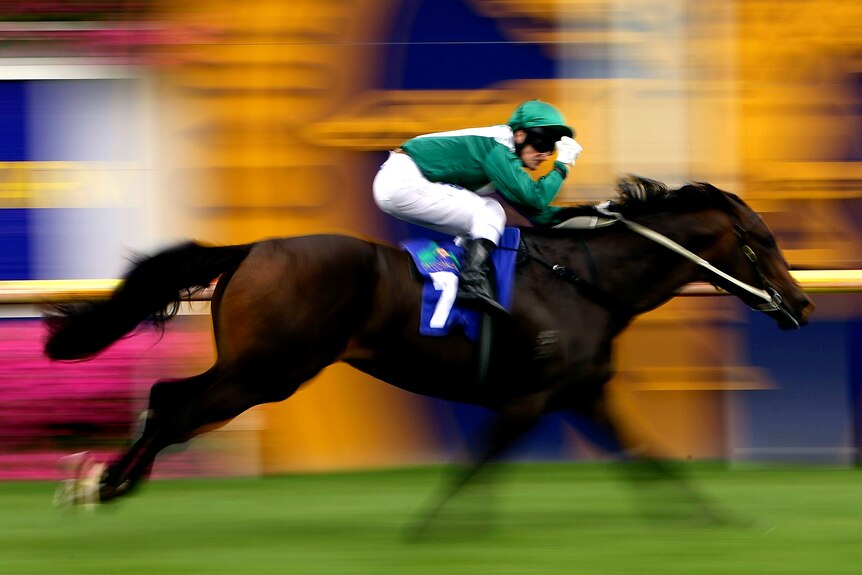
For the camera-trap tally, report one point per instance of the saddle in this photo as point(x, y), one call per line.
point(438, 264)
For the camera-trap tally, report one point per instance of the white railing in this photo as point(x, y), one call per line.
point(35, 292)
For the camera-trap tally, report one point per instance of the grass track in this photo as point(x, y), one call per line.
point(547, 519)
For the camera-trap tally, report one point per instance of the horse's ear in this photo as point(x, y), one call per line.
point(699, 195)
point(709, 188)
point(721, 192)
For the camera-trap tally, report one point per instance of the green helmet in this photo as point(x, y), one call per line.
point(538, 114)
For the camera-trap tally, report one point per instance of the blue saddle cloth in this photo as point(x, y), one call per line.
point(439, 264)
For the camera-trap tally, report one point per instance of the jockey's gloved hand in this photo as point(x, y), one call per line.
point(568, 150)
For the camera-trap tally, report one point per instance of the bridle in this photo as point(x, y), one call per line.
point(772, 301)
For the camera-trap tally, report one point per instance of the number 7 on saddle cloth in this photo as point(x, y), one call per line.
point(439, 265)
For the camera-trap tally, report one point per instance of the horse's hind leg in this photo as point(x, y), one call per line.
point(180, 410)
point(164, 424)
point(166, 398)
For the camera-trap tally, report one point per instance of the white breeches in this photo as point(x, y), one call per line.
point(402, 191)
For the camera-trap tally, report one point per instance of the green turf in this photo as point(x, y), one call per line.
point(541, 519)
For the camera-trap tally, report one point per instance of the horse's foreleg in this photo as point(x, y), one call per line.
point(661, 486)
point(499, 434)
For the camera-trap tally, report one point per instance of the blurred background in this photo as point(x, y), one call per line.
point(127, 125)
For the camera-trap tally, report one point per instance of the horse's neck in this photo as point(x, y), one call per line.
point(662, 269)
point(635, 270)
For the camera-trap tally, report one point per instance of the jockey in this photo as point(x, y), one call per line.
point(439, 181)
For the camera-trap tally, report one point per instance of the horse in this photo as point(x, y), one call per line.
point(284, 309)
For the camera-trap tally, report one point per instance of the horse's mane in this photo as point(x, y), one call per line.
point(639, 195)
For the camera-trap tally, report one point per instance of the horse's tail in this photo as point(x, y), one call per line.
point(80, 331)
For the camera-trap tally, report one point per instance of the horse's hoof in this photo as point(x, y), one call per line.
point(80, 488)
point(70, 464)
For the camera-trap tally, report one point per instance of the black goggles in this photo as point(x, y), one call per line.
point(543, 140)
point(543, 146)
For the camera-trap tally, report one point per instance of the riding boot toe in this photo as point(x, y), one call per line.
point(475, 297)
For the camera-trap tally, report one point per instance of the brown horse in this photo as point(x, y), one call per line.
point(284, 309)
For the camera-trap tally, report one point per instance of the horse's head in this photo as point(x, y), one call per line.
point(757, 251)
point(746, 257)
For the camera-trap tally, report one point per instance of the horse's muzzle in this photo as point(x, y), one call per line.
point(795, 316)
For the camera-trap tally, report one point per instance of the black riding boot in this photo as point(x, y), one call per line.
point(474, 287)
